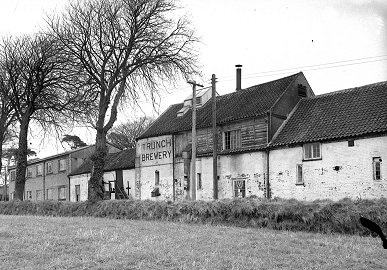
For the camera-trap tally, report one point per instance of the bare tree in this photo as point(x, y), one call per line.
point(7, 114)
point(126, 47)
point(41, 92)
point(124, 135)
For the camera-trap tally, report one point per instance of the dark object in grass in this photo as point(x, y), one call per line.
point(372, 226)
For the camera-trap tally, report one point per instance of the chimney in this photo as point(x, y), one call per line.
point(238, 77)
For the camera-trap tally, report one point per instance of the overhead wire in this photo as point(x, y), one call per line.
point(309, 67)
point(334, 64)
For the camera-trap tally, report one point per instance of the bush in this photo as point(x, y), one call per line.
point(318, 216)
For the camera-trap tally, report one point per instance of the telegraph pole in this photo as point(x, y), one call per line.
point(214, 140)
point(193, 158)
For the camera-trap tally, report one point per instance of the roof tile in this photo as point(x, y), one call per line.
point(246, 103)
point(352, 112)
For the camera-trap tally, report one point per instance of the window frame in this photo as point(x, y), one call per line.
point(49, 194)
point(28, 198)
point(312, 151)
point(243, 190)
point(377, 168)
point(228, 138)
point(63, 198)
point(47, 166)
point(37, 170)
point(199, 181)
point(29, 172)
point(299, 173)
point(199, 101)
point(157, 177)
point(64, 165)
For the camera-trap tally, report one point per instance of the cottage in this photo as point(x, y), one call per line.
point(118, 177)
point(333, 146)
point(47, 178)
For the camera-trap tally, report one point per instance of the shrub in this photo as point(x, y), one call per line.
point(318, 216)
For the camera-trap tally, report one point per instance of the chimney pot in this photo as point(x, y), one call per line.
point(238, 77)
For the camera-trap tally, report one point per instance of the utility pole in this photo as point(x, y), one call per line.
point(193, 158)
point(214, 140)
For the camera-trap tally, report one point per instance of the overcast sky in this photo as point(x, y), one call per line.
point(338, 44)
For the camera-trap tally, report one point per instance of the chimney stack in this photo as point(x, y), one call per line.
point(238, 77)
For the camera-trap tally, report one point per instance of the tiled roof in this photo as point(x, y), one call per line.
point(346, 113)
point(124, 159)
point(245, 103)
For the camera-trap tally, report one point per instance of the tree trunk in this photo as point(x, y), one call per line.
point(21, 159)
point(96, 188)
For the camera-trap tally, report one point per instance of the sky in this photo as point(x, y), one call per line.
point(337, 44)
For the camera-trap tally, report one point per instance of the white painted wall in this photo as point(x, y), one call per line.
point(247, 166)
point(165, 185)
point(81, 180)
point(354, 179)
point(129, 177)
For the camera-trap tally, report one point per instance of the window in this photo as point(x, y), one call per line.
point(62, 193)
point(377, 163)
point(351, 143)
point(157, 177)
point(62, 164)
point(231, 139)
point(302, 90)
point(39, 195)
point(28, 195)
point(29, 172)
point(13, 175)
point(312, 151)
point(239, 187)
point(199, 180)
point(198, 101)
point(39, 169)
point(49, 167)
point(300, 178)
point(77, 193)
point(49, 194)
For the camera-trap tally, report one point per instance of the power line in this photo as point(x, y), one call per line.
point(283, 71)
point(310, 67)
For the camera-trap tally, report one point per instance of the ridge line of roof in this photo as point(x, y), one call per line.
point(347, 90)
point(239, 91)
point(284, 123)
point(287, 88)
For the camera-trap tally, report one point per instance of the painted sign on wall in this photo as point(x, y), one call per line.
point(154, 151)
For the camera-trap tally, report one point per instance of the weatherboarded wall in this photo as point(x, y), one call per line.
point(342, 172)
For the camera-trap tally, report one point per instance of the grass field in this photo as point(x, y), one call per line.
point(29, 242)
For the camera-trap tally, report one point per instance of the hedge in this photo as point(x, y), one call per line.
point(319, 216)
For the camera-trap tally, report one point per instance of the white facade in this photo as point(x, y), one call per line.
point(341, 172)
point(81, 181)
point(244, 172)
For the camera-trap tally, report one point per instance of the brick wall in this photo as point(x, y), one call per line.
point(342, 172)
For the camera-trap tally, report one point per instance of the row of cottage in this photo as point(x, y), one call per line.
point(275, 139)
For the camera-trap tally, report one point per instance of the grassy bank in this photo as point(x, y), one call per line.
point(319, 216)
point(28, 242)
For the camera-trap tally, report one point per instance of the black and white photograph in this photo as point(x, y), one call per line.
point(193, 134)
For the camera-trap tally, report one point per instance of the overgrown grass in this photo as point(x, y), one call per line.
point(319, 216)
point(28, 242)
